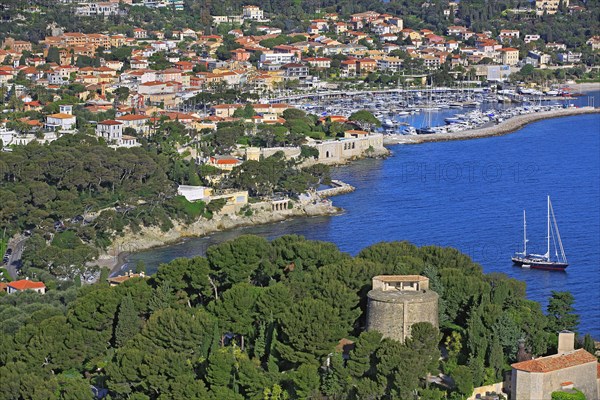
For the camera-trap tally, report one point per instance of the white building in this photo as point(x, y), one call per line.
point(277, 58)
point(94, 9)
point(531, 38)
point(393, 64)
point(112, 131)
point(569, 57)
point(177, 5)
point(253, 12)
point(64, 120)
point(194, 193)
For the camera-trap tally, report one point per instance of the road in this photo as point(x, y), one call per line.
point(17, 243)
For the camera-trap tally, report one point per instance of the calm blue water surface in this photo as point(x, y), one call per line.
point(469, 195)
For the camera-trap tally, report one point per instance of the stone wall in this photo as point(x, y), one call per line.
point(533, 386)
point(330, 151)
point(394, 313)
point(483, 390)
point(340, 151)
point(290, 152)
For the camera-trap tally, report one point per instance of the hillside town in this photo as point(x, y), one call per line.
point(142, 79)
point(158, 71)
point(143, 125)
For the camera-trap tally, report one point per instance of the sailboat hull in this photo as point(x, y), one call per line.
point(539, 264)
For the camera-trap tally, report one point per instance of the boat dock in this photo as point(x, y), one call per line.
point(338, 187)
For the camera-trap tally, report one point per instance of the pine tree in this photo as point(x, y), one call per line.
point(560, 312)
point(163, 297)
point(128, 323)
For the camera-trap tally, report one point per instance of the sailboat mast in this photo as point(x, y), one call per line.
point(524, 234)
point(548, 237)
point(561, 248)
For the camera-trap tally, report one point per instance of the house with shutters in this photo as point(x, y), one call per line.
point(112, 132)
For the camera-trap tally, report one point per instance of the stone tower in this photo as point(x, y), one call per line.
point(396, 302)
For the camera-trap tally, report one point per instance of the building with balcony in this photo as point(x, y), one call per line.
point(64, 120)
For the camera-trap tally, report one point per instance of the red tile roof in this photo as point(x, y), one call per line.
point(25, 284)
point(132, 117)
point(224, 160)
point(556, 362)
point(110, 122)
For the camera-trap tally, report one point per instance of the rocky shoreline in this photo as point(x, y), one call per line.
point(116, 255)
point(509, 126)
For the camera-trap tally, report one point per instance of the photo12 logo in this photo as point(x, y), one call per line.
point(468, 171)
point(488, 253)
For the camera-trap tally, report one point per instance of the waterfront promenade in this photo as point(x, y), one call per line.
point(503, 128)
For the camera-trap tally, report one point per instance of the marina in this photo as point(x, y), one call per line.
point(433, 110)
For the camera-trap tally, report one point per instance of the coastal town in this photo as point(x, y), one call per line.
point(128, 125)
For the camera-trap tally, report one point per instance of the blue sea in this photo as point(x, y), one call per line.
point(469, 195)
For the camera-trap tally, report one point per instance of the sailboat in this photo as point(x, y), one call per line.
point(543, 261)
point(427, 129)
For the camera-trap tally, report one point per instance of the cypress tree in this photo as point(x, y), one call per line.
point(496, 357)
point(128, 323)
point(260, 343)
point(588, 344)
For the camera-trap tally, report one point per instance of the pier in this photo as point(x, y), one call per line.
point(338, 187)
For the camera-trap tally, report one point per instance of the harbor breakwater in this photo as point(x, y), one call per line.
point(508, 126)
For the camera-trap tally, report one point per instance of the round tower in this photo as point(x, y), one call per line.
point(397, 302)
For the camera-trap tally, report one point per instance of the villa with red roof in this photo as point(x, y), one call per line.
point(226, 163)
point(25, 284)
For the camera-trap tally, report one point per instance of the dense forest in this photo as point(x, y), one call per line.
point(263, 320)
point(76, 195)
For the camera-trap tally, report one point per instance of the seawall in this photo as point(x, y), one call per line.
point(509, 126)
